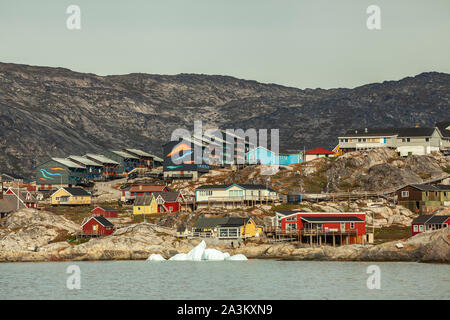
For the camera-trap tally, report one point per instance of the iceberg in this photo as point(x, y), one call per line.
point(200, 253)
point(213, 255)
point(156, 257)
point(237, 257)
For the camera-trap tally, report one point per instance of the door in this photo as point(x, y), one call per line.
point(342, 226)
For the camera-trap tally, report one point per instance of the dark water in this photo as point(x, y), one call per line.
point(253, 279)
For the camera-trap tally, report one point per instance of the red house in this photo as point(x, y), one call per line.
point(107, 212)
point(169, 201)
point(140, 190)
point(317, 153)
point(97, 226)
point(25, 197)
point(428, 223)
point(353, 224)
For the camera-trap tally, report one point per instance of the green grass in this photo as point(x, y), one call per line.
point(447, 170)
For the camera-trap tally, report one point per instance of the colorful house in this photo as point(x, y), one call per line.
point(93, 169)
point(232, 194)
point(105, 211)
point(71, 197)
point(317, 153)
point(264, 156)
point(226, 228)
point(26, 197)
point(127, 161)
point(145, 159)
point(110, 168)
point(145, 205)
point(59, 172)
point(169, 201)
point(97, 226)
point(352, 225)
point(425, 223)
point(415, 196)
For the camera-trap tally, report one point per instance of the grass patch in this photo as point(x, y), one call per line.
point(392, 233)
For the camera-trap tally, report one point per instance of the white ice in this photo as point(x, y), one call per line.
point(156, 257)
point(237, 257)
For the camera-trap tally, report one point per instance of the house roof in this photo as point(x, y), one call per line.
point(143, 200)
point(444, 128)
point(105, 208)
point(234, 222)
point(124, 154)
point(77, 191)
point(68, 163)
point(288, 212)
point(167, 196)
point(207, 223)
point(443, 187)
point(100, 158)
point(147, 188)
point(319, 151)
point(9, 203)
point(422, 219)
point(424, 187)
point(331, 219)
point(100, 219)
point(437, 219)
point(401, 132)
point(139, 152)
point(23, 195)
point(84, 161)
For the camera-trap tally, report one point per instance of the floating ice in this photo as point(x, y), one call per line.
point(237, 257)
point(156, 257)
point(213, 255)
point(200, 253)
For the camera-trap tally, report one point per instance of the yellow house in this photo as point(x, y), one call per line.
point(71, 197)
point(145, 205)
point(226, 228)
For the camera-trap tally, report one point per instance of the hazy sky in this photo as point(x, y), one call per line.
point(300, 43)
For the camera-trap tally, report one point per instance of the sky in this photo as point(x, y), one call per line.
point(298, 43)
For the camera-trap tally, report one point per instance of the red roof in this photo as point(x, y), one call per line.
point(147, 188)
point(319, 151)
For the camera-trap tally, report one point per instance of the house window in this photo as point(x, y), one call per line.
point(405, 194)
point(444, 225)
point(427, 139)
point(421, 228)
point(416, 228)
point(346, 140)
point(94, 227)
point(364, 140)
point(408, 140)
point(352, 225)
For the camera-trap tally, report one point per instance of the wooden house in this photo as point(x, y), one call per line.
point(143, 189)
point(26, 197)
point(425, 223)
point(105, 211)
point(127, 161)
point(169, 201)
point(145, 204)
point(317, 153)
point(415, 196)
point(71, 197)
point(231, 195)
point(145, 160)
point(226, 228)
point(97, 226)
point(350, 225)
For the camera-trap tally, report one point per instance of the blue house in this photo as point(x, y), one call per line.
point(261, 155)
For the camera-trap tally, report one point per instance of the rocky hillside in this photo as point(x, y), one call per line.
point(373, 170)
point(56, 112)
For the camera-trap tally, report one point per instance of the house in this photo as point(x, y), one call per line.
point(182, 231)
point(127, 161)
point(169, 201)
point(226, 228)
point(59, 172)
point(147, 189)
point(279, 214)
point(230, 195)
point(26, 197)
point(97, 226)
point(425, 223)
point(105, 211)
point(349, 226)
point(415, 196)
point(264, 156)
point(406, 141)
point(93, 169)
point(71, 197)
point(110, 168)
point(145, 160)
point(9, 204)
point(145, 204)
point(444, 128)
point(317, 153)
